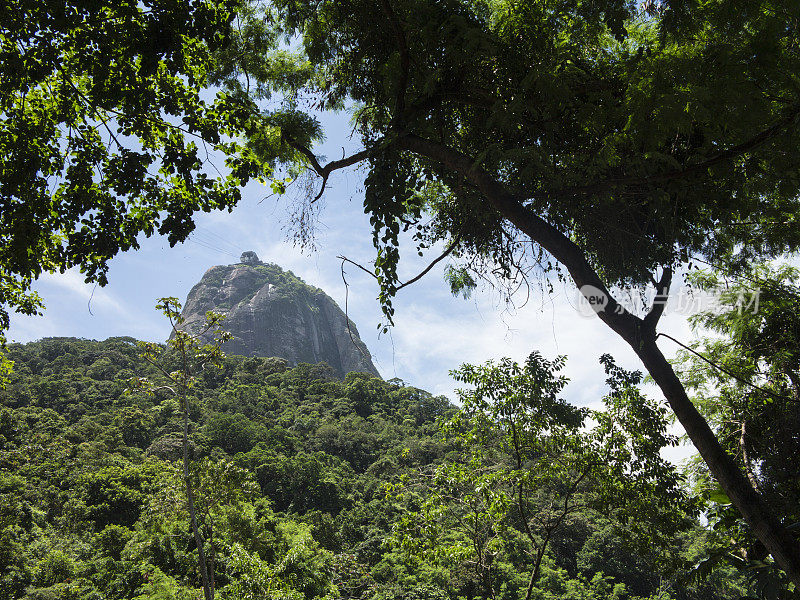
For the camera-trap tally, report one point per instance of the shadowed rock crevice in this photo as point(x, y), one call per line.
point(271, 312)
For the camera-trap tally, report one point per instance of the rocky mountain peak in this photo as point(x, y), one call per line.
point(272, 312)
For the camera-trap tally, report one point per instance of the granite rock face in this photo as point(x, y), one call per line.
point(271, 312)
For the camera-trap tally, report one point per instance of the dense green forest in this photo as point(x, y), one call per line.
point(606, 143)
point(309, 486)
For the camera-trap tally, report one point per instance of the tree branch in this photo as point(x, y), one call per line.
point(790, 118)
point(417, 277)
point(402, 47)
point(347, 301)
point(433, 263)
point(344, 259)
point(746, 458)
point(724, 370)
point(325, 171)
point(660, 300)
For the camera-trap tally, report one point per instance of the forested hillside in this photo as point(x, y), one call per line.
point(307, 486)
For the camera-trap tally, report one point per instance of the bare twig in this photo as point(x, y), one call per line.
point(417, 277)
point(344, 259)
point(346, 300)
point(724, 370)
point(424, 272)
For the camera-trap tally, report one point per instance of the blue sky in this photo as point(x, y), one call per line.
point(434, 332)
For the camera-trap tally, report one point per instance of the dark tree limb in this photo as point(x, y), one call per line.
point(750, 504)
point(660, 300)
point(402, 48)
point(432, 264)
point(748, 467)
point(543, 233)
point(325, 171)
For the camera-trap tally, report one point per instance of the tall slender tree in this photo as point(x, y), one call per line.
point(185, 356)
point(746, 381)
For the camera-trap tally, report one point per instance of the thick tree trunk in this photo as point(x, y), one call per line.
point(749, 503)
point(640, 334)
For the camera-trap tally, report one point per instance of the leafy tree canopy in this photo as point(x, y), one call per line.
point(105, 131)
point(93, 503)
point(528, 462)
point(633, 133)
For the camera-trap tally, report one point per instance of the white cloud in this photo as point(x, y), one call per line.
point(430, 339)
point(75, 308)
